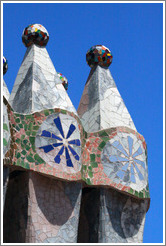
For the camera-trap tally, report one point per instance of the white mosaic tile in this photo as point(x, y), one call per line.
point(38, 80)
point(6, 93)
point(102, 97)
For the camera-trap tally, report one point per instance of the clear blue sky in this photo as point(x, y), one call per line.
point(133, 32)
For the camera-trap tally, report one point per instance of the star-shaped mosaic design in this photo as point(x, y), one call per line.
point(64, 143)
point(130, 160)
point(124, 159)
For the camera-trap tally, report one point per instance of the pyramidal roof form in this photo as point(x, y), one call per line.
point(37, 85)
point(101, 106)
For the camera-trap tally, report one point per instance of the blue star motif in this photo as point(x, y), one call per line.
point(129, 159)
point(63, 141)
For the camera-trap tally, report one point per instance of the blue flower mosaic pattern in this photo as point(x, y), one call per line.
point(124, 161)
point(58, 142)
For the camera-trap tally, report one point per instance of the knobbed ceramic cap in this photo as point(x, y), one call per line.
point(35, 34)
point(64, 80)
point(5, 65)
point(99, 55)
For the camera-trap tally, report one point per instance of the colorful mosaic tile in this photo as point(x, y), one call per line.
point(116, 157)
point(99, 55)
point(64, 80)
point(48, 142)
point(5, 65)
point(54, 142)
point(58, 142)
point(35, 34)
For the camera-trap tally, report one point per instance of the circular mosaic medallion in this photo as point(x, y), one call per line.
point(124, 161)
point(58, 142)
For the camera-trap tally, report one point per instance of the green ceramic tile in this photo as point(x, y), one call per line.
point(25, 127)
point(136, 193)
point(94, 164)
point(46, 112)
point(85, 167)
point(88, 181)
point(27, 147)
point(30, 159)
point(90, 174)
point(33, 133)
point(131, 191)
point(21, 116)
point(18, 140)
point(35, 128)
point(141, 194)
point(27, 165)
point(105, 139)
point(103, 134)
point(22, 146)
point(22, 163)
point(51, 111)
point(101, 146)
point(29, 117)
point(30, 126)
point(22, 137)
point(4, 142)
point(17, 128)
point(20, 125)
point(23, 152)
point(18, 162)
point(32, 140)
point(85, 134)
point(38, 159)
point(33, 148)
point(18, 120)
point(25, 141)
point(18, 155)
point(5, 127)
point(63, 111)
point(92, 157)
point(90, 168)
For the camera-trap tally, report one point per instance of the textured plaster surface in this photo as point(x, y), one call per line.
point(101, 105)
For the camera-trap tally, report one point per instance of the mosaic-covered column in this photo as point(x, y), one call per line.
point(44, 193)
point(114, 156)
point(6, 130)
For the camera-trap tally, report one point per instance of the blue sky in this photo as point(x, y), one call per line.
point(134, 34)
